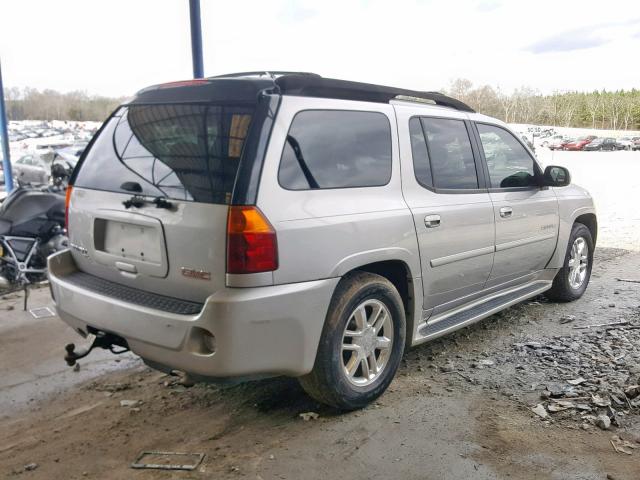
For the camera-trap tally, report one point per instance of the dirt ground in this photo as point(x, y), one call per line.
point(431, 424)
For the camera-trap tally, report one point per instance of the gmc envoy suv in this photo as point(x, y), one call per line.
point(263, 224)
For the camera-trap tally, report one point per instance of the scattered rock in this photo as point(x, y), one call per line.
point(632, 391)
point(600, 401)
point(576, 381)
point(603, 422)
point(112, 387)
point(540, 411)
point(309, 416)
point(448, 367)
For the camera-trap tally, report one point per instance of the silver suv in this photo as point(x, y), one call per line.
point(287, 224)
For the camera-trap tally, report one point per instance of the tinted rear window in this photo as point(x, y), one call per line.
point(183, 152)
point(336, 149)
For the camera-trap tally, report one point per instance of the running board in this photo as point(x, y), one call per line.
point(479, 310)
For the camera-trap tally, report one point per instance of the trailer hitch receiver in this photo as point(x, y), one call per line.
point(107, 341)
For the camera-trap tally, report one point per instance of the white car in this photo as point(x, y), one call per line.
point(555, 139)
point(624, 143)
point(32, 168)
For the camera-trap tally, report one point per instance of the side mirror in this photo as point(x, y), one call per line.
point(555, 176)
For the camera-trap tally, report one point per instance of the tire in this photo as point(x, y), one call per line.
point(329, 382)
point(567, 287)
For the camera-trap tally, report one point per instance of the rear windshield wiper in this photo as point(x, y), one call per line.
point(303, 165)
point(139, 201)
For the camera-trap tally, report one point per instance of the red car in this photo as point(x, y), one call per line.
point(578, 144)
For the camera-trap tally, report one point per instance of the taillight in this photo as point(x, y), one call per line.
point(251, 242)
point(67, 200)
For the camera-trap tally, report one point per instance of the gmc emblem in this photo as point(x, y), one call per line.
point(197, 274)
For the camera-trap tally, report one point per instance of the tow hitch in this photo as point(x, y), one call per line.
point(107, 341)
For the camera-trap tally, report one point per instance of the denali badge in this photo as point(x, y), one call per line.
point(193, 273)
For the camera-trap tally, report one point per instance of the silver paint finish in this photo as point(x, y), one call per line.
point(193, 236)
point(526, 238)
point(456, 257)
point(460, 250)
point(258, 331)
point(326, 233)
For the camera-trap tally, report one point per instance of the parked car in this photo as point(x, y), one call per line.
point(636, 143)
point(559, 143)
point(624, 143)
point(31, 168)
point(577, 144)
point(601, 144)
point(318, 230)
point(549, 140)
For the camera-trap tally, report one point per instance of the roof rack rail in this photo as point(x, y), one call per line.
point(264, 73)
point(312, 85)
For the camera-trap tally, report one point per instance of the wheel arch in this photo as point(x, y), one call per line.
point(570, 213)
point(399, 274)
point(590, 221)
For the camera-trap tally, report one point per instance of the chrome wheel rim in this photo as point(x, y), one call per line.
point(367, 342)
point(578, 263)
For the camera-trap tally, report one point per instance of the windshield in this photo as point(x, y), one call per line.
point(184, 152)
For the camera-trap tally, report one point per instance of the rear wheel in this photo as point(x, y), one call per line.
point(362, 343)
point(572, 280)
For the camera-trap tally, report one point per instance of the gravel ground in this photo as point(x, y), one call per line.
point(460, 407)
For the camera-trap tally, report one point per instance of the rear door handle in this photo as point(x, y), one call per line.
point(432, 221)
point(506, 212)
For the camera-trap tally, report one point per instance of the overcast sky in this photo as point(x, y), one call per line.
point(115, 47)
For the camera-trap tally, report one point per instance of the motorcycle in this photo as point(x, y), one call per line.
point(32, 227)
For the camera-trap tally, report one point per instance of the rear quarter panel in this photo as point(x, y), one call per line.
point(326, 233)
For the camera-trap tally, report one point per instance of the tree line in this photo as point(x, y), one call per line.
point(614, 110)
point(33, 104)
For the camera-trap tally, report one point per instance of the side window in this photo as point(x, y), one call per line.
point(510, 165)
point(450, 154)
point(421, 166)
point(336, 149)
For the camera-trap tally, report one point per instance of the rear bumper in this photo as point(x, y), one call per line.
point(273, 330)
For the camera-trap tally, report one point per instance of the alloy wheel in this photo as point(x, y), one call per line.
point(367, 342)
point(578, 263)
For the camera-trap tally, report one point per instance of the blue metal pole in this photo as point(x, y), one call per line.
point(196, 38)
point(4, 137)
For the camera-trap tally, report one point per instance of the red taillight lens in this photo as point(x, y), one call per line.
point(67, 200)
point(251, 242)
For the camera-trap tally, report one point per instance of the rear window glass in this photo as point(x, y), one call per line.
point(336, 149)
point(183, 152)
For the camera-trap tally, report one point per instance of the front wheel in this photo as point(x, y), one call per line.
point(572, 280)
point(361, 345)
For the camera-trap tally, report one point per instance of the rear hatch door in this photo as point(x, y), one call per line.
point(150, 198)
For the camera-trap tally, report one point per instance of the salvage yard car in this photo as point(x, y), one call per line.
point(32, 168)
point(578, 144)
point(601, 144)
point(260, 224)
point(624, 143)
